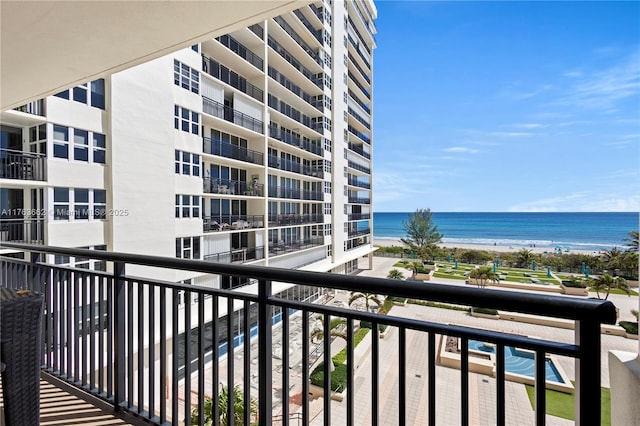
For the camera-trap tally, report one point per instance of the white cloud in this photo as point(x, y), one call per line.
point(581, 202)
point(512, 134)
point(529, 126)
point(461, 150)
point(573, 74)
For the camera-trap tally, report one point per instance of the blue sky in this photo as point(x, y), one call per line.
point(507, 106)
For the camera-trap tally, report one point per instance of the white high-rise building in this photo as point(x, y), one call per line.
point(252, 147)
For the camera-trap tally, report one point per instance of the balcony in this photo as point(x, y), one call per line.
point(357, 166)
point(362, 136)
point(22, 165)
point(355, 148)
point(240, 255)
point(314, 123)
point(315, 79)
point(295, 167)
point(257, 30)
point(360, 86)
point(294, 219)
point(20, 230)
point(216, 109)
point(285, 135)
point(359, 200)
point(231, 222)
point(232, 187)
point(240, 50)
point(316, 33)
point(294, 35)
point(359, 216)
point(225, 149)
point(276, 249)
point(97, 320)
point(358, 233)
point(295, 193)
point(232, 78)
point(295, 89)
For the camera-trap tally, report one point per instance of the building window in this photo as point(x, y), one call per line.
point(81, 204)
point(80, 93)
point(80, 145)
point(99, 204)
point(327, 187)
point(97, 93)
point(327, 166)
point(38, 139)
point(187, 206)
point(188, 248)
point(186, 120)
point(60, 141)
point(99, 148)
point(93, 97)
point(327, 208)
point(185, 76)
point(327, 229)
point(61, 203)
point(187, 163)
point(327, 144)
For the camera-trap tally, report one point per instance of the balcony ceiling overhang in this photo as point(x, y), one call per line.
point(49, 46)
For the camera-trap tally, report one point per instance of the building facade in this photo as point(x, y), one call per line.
point(252, 147)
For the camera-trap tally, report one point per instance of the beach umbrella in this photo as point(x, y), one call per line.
point(456, 267)
point(533, 265)
point(548, 271)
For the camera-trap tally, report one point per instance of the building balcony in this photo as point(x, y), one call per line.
point(355, 148)
point(240, 255)
point(317, 103)
point(22, 165)
point(359, 167)
point(34, 108)
point(315, 33)
point(294, 219)
point(362, 136)
point(240, 50)
point(295, 167)
point(360, 86)
point(20, 230)
point(231, 222)
point(313, 123)
point(216, 109)
point(295, 193)
point(359, 200)
point(132, 346)
point(316, 79)
point(359, 216)
point(311, 145)
point(313, 53)
point(358, 232)
point(232, 187)
point(225, 149)
point(281, 247)
point(232, 78)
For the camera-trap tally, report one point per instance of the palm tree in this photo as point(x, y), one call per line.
point(223, 400)
point(395, 274)
point(368, 297)
point(524, 258)
point(632, 241)
point(484, 274)
point(606, 283)
point(414, 266)
point(335, 326)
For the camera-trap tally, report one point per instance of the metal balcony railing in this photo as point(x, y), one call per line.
point(316, 33)
point(232, 78)
point(295, 193)
point(313, 53)
point(240, 255)
point(35, 108)
point(231, 222)
point(216, 109)
point(280, 247)
point(128, 341)
point(357, 116)
point(314, 123)
point(355, 148)
point(257, 30)
point(22, 165)
point(219, 147)
point(232, 187)
point(316, 79)
point(294, 219)
point(357, 49)
point(358, 233)
point(362, 136)
point(359, 200)
point(294, 166)
point(359, 216)
point(311, 145)
point(21, 230)
point(357, 166)
point(364, 74)
point(354, 181)
point(240, 50)
point(295, 89)
point(357, 83)
point(359, 102)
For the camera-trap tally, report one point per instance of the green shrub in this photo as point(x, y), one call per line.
point(367, 324)
point(572, 283)
point(387, 305)
point(437, 305)
point(629, 327)
point(486, 311)
point(397, 299)
point(338, 377)
point(341, 357)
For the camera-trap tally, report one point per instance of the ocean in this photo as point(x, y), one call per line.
point(580, 231)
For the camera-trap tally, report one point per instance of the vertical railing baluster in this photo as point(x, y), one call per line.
point(94, 329)
point(119, 334)
point(402, 375)
point(112, 335)
point(246, 321)
point(187, 356)
point(540, 389)
point(265, 361)
point(140, 319)
point(215, 367)
point(163, 354)
point(175, 417)
point(375, 371)
point(587, 337)
point(285, 366)
point(78, 318)
point(152, 348)
point(305, 367)
point(68, 341)
point(56, 314)
point(350, 372)
point(326, 343)
point(500, 385)
point(230, 364)
point(431, 367)
point(464, 381)
point(87, 329)
point(129, 320)
point(201, 360)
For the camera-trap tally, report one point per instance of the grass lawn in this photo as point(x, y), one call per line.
point(452, 276)
point(561, 404)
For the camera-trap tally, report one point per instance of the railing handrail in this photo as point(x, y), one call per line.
point(592, 310)
point(23, 153)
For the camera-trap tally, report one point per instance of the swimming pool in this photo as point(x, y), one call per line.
point(519, 362)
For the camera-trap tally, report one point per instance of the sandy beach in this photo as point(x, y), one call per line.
point(502, 249)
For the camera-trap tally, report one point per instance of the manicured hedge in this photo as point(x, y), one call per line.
point(486, 311)
point(338, 377)
point(576, 284)
point(367, 324)
point(629, 327)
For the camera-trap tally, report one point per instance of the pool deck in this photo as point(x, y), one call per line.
point(482, 388)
